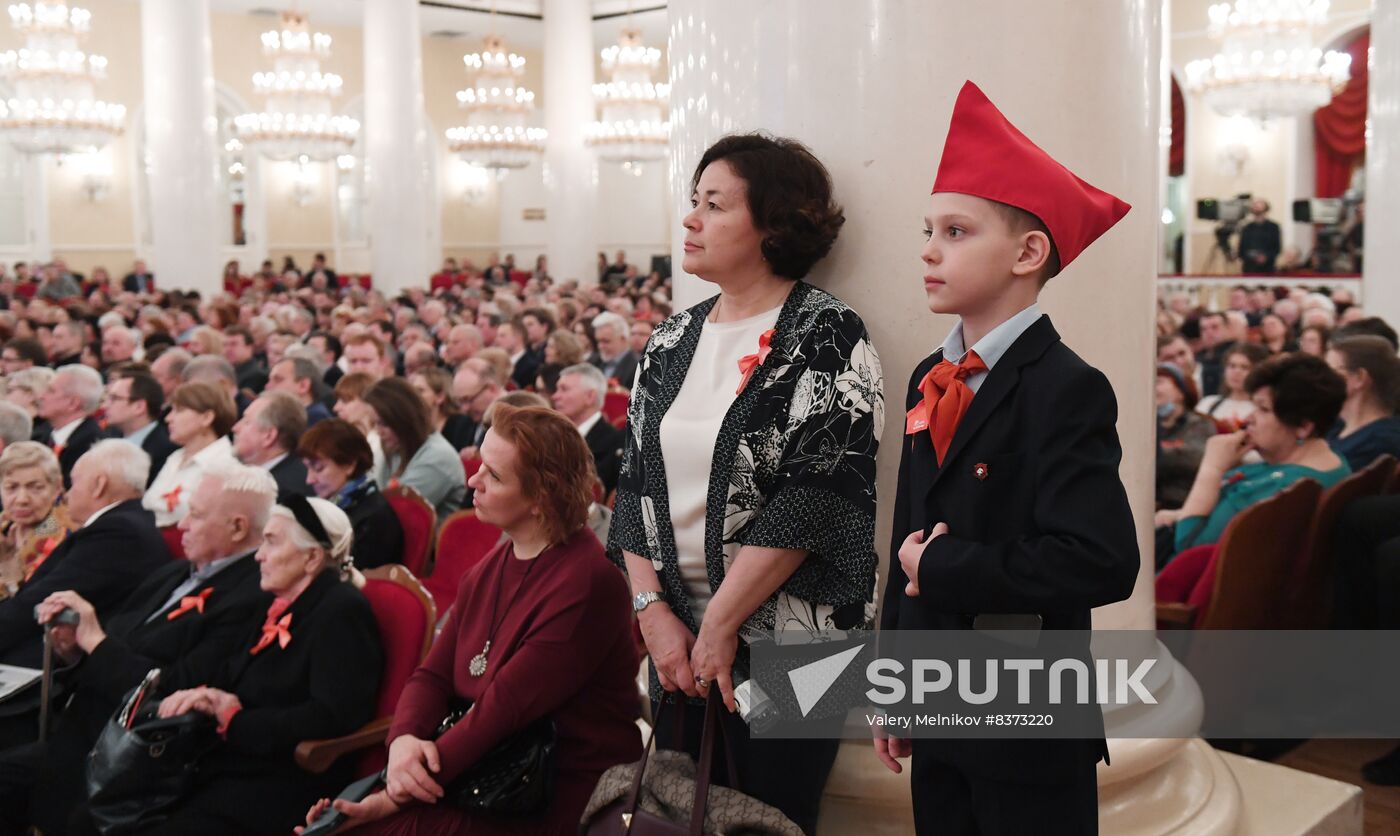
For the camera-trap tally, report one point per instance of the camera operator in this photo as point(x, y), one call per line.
point(1355, 236)
point(1260, 240)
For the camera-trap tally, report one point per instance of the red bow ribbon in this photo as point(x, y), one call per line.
point(58, 449)
point(749, 362)
point(946, 400)
point(190, 602)
point(172, 498)
point(279, 631)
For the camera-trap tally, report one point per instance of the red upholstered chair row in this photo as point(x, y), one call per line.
point(173, 540)
point(462, 543)
point(419, 522)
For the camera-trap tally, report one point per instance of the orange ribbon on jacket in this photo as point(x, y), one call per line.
point(58, 449)
point(190, 602)
point(278, 631)
point(749, 362)
point(946, 400)
point(172, 498)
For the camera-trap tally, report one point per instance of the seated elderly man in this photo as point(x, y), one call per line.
point(119, 345)
point(186, 619)
point(475, 387)
point(297, 376)
point(68, 404)
point(579, 397)
point(116, 547)
point(614, 356)
point(266, 437)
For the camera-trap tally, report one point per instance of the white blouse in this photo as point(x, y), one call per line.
point(688, 434)
point(168, 497)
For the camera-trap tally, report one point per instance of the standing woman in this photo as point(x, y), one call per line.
point(746, 501)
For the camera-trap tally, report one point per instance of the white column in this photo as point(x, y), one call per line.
point(1381, 291)
point(397, 148)
point(39, 234)
point(570, 180)
point(181, 143)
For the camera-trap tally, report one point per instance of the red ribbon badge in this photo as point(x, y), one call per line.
point(280, 632)
point(749, 362)
point(172, 498)
point(190, 602)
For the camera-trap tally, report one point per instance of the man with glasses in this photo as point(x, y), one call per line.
point(22, 353)
point(475, 387)
point(134, 401)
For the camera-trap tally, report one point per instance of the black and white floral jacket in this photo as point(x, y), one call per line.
point(793, 467)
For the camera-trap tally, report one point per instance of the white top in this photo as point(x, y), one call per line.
point(168, 497)
point(992, 346)
point(1226, 409)
point(688, 435)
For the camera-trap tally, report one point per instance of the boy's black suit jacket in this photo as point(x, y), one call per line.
point(1045, 530)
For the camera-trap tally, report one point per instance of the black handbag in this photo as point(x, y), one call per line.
point(144, 764)
point(515, 778)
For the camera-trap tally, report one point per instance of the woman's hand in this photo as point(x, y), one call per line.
point(412, 764)
point(712, 659)
point(88, 633)
point(375, 807)
point(890, 750)
point(669, 644)
point(1225, 451)
point(1165, 517)
point(183, 702)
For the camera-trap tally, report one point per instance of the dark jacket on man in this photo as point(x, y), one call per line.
point(605, 442)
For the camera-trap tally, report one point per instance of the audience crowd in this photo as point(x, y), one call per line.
point(264, 435)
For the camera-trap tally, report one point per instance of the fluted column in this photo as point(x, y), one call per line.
point(181, 143)
point(1381, 291)
point(571, 184)
point(397, 148)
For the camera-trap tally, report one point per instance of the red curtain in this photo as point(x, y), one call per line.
point(1340, 127)
point(1176, 157)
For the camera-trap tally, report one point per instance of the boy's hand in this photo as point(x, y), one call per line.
point(912, 551)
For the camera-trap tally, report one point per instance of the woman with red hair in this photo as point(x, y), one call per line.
point(540, 630)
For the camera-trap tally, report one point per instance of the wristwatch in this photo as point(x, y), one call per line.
point(642, 600)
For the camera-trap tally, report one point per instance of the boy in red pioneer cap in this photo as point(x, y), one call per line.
point(1010, 509)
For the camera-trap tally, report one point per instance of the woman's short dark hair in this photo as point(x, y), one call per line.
point(337, 441)
point(789, 196)
point(202, 396)
point(402, 410)
point(1305, 389)
point(556, 470)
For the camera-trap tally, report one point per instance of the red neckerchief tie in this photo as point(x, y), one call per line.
point(190, 602)
point(749, 362)
point(58, 449)
point(172, 498)
point(274, 629)
point(946, 400)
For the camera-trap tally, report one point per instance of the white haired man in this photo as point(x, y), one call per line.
point(16, 424)
point(116, 547)
point(579, 397)
point(614, 356)
point(68, 404)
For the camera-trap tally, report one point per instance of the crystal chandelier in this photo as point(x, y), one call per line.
point(496, 135)
point(1267, 65)
point(633, 128)
point(298, 121)
point(53, 109)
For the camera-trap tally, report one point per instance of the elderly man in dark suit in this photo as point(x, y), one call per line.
point(614, 356)
point(267, 435)
point(117, 547)
point(186, 619)
point(68, 405)
point(134, 405)
point(579, 397)
point(139, 280)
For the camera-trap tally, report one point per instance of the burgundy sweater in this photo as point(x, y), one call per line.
point(563, 648)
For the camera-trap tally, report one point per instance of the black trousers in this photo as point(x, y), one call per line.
point(41, 783)
point(949, 802)
point(787, 774)
point(1366, 549)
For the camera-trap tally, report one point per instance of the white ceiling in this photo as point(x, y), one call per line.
point(461, 18)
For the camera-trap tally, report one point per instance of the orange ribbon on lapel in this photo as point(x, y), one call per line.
point(190, 602)
point(749, 362)
point(279, 631)
point(946, 400)
point(172, 498)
